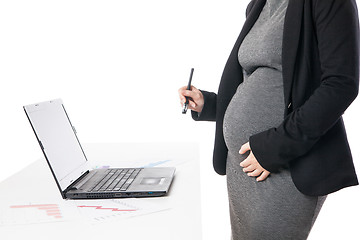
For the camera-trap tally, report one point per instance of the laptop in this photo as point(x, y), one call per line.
point(72, 172)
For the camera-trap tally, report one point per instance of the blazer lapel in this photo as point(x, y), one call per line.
point(291, 37)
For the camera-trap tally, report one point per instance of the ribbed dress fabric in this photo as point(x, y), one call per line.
point(274, 208)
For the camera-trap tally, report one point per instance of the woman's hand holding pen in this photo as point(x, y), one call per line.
point(196, 98)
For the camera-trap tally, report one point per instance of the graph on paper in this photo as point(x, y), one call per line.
point(104, 210)
point(33, 213)
point(47, 210)
point(107, 209)
point(94, 211)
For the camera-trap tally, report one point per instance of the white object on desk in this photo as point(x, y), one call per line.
point(179, 218)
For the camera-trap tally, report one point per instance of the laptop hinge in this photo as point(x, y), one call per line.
point(75, 185)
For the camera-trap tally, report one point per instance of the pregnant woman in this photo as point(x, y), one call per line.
point(280, 137)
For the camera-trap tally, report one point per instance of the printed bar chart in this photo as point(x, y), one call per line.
point(51, 210)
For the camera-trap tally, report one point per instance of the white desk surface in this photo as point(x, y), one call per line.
point(181, 221)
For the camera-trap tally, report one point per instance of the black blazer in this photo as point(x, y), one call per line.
point(320, 58)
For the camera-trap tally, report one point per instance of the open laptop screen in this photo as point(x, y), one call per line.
point(58, 141)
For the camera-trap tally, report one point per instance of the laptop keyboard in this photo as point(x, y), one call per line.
point(116, 180)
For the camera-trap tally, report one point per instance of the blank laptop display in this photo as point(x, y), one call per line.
point(71, 169)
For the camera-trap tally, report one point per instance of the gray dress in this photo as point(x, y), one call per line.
point(274, 208)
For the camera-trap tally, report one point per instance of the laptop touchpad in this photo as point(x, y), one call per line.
point(152, 181)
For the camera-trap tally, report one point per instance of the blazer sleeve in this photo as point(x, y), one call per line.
point(337, 30)
point(208, 112)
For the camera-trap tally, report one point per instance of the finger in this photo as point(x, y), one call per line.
point(192, 105)
point(244, 148)
point(263, 176)
point(187, 93)
point(191, 94)
point(255, 173)
point(180, 90)
point(249, 168)
point(182, 99)
point(194, 89)
point(184, 91)
point(181, 94)
point(245, 163)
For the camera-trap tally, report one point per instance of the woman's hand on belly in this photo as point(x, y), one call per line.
point(251, 165)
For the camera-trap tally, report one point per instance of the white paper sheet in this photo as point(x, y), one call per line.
point(93, 211)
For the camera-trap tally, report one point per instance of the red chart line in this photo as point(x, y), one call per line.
point(112, 209)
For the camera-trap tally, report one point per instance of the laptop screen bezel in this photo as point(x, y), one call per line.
point(75, 174)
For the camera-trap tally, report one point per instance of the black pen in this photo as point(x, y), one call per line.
point(185, 107)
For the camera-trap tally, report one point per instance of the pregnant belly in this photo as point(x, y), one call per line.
point(257, 105)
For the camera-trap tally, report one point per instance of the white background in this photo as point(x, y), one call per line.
point(117, 66)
